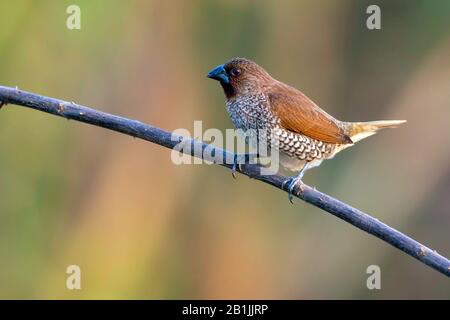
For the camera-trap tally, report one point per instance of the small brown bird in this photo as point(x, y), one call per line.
point(306, 135)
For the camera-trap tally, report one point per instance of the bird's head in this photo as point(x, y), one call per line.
point(240, 76)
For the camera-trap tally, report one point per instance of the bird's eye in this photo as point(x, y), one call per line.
point(235, 72)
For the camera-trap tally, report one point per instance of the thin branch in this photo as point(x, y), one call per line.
point(357, 218)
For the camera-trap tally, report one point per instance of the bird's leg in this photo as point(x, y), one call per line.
point(2, 104)
point(292, 182)
point(237, 161)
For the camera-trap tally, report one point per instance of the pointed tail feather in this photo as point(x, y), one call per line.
point(360, 130)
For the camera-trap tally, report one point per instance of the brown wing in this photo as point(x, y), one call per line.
point(299, 114)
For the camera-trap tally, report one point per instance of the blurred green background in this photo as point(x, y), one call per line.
point(141, 227)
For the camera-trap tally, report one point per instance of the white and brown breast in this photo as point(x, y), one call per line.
point(253, 112)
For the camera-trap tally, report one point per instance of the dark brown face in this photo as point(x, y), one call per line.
point(240, 77)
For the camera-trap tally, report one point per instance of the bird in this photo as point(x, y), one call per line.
point(304, 134)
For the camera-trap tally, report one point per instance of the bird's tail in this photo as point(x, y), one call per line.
point(360, 130)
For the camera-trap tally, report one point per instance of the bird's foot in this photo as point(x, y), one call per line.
point(241, 158)
point(235, 165)
point(291, 183)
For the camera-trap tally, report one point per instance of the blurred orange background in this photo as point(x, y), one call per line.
point(140, 227)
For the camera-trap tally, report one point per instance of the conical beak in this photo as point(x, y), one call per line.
point(219, 73)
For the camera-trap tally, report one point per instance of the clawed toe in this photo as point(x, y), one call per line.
point(288, 182)
point(248, 158)
point(233, 171)
point(234, 167)
point(291, 183)
point(291, 188)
